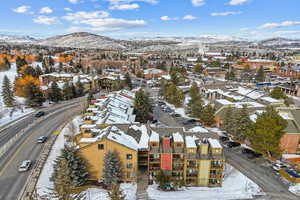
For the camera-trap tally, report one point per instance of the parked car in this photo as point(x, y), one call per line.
point(233, 144)
point(175, 115)
point(224, 138)
point(42, 139)
point(40, 114)
point(25, 165)
point(189, 122)
point(279, 166)
point(251, 154)
point(161, 103)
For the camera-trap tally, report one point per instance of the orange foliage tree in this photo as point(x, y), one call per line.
point(22, 82)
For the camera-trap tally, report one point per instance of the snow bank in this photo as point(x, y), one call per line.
point(235, 186)
point(44, 180)
point(295, 189)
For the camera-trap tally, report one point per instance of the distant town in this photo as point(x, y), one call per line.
point(158, 120)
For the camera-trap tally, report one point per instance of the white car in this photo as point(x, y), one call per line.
point(25, 165)
point(279, 166)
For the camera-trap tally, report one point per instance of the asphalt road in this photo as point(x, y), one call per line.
point(11, 181)
point(270, 183)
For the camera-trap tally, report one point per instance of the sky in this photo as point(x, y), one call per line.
point(249, 19)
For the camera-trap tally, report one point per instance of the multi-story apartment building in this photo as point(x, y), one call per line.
point(178, 153)
point(196, 162)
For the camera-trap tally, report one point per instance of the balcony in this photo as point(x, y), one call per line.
point(178, 168)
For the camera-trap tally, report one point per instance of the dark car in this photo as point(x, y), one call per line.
point(190, 121)
point(224, 138)
point(175, 115)
point(161, 103)
point(251, 154)
point(42, 139)
point(233, 144)
point(40, 114)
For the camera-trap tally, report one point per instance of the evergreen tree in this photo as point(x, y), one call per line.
point(266, 133)
point(34, 96)
point(20, 62)
point(38, 71)
point(5, 65)
point(112, 171)
point(51, 61)
point(7, 93)
point(208, 115)
point(229, 121)
point(74, 90)
point(243, 123)
point(67, 92)
point(173, 95)
point(230, 75)
point(142, 106)
point(116, 193)
point(198, 68)
point(128, 80)
point(69, 173)
point(79, 88)
point(55, 93)
point(277, 93)
point(260, 75)
point(60, 67)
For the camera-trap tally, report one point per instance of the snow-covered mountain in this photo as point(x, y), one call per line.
point(280, 43)
point(16, 39)
point(93, 41)
point(83, 40)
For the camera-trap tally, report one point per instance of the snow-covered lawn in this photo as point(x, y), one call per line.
point(44, 183)
point(235, 186)
point(4, 111)
point(129, 190)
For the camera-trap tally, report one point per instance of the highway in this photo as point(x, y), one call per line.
point(25, 147)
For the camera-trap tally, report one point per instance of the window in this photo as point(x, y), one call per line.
point(129, 165)
point(101, 146)
point(129, 156)
point(129, 175)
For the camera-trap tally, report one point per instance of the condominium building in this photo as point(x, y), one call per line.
point(198, 162)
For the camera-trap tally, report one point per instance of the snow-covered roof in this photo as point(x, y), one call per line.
point(190, 142)
point(177, 137)
point(270, 99)
point(214, 143)
point(249, 93)
point(198, 129)
point(224, 102)
point(120, 137)
point(144, 140)
point(154, 136)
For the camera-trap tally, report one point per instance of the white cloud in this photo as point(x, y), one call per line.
point(46, 10)
point(75, 1)
point(198, 2)
point(130, 1)
point(238, 2)
point(22, 9)
point(189, 17)
point(98, 21)
point(46, 20)
point(124, 6)
point(107, 24)
point(225, 13)
point(167, 18)
point(68, 9)
point(82, 15)
point(278, 25)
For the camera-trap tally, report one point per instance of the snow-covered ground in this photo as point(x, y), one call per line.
point(295, 189)
point(180, 111)
point(5, 116)
point(129, 190)
point(44, 183)
point(235, 186)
